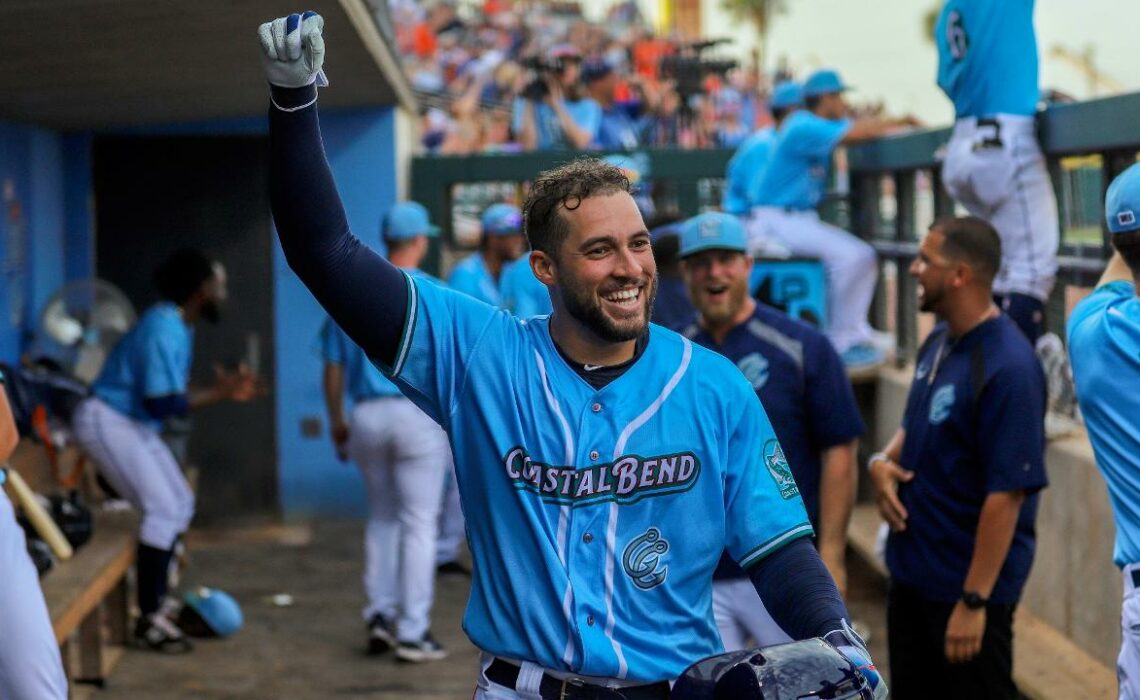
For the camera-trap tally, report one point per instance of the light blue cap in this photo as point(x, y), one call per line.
point(1122, 204)
point(217, 609)
point(786, 94)
point(502, 220)
point(823, 82)
point(712, 230)
point(408, 220)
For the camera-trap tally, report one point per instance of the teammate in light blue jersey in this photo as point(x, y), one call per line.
point(478, 274)
point(145, 381)
point(1104, 345)
point(987, 66)
point(786, 196)
point(404, 459)
point(604, 463)
point(751, 157)
point(521, 292)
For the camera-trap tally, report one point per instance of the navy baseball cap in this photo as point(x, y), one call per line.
point(595, 69)
point(712, 231)
point(1122, 203)
point(408, 220)
point(502, 219)
point(823, 82)
point(786, 94)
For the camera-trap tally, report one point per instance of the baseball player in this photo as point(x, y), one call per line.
point(144, 382)
point(746, 167)
point(604, 463)
point(1104, 344)
point(787, 194)
point(522, 294)
point(958, 483)
point(30, 664)
point(987, 66)
point(802, 385)
point(403, 456)
point(502, 242)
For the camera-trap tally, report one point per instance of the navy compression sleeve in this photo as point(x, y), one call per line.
point(364, 293)
point(163, 407)
point(808, 606)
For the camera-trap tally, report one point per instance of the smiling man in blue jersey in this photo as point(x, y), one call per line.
point(501, 243)
point(404, 459)
point(1104, 343)
point(987, 66)
point(746, 167)
point(803, 387)
point(790, 189)
point(607, 459)
point(958, 483)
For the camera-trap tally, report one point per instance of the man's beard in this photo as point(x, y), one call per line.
point(584, 306)
point(211, 311)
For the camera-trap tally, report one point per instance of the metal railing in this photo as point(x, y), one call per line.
point(896, 192)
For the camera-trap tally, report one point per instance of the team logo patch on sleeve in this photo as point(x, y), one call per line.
point(779, 469)
point(641, 558)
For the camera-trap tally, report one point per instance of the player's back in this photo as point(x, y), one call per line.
point(1104, 346)
point(522, 294)
point(472, 277)
point(152, 359)
point(743, 168)
point(987, 57)
point(796, 174)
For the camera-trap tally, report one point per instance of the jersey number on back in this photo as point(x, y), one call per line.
point(956, 35)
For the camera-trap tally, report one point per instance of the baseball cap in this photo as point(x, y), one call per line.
point(823, 82)
point(1122, 203)
point(786, 94)
point(595, 69)
point(408, 220)
point(712, 230)
point(502, 219)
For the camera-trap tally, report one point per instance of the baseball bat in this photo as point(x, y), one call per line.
point(39, 518)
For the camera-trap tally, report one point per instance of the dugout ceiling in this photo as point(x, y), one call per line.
point(105, 64)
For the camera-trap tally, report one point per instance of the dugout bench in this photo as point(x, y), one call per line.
point(88, 597)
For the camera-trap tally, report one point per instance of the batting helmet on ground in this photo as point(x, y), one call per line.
point(209, 612)
point(808, 669)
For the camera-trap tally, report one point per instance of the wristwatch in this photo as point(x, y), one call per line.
point(973, 601)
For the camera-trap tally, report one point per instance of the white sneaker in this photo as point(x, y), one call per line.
point(426, 649)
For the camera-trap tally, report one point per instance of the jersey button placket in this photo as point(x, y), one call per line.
point(593, 455)
point(587, 538)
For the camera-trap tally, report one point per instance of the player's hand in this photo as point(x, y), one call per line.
point(240, 386)
point(851, 645)
point(885, 477)
point(339, 433)
point(293, 50)
point(964, 633)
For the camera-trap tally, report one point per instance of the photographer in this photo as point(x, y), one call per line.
point(552, 113)
point(617, 128)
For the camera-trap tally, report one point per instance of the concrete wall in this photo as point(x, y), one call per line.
point(1074, 585)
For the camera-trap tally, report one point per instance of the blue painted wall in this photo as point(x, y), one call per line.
point(361, 150)
point(45, 225)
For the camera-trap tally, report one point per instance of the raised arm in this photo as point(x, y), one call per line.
point(363, 292)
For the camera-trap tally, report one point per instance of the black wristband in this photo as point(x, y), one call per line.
point(973, 600)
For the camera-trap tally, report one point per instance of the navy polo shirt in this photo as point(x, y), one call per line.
point(975, 425)
point(804, 389)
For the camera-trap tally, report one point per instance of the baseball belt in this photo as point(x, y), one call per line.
point(506, 674)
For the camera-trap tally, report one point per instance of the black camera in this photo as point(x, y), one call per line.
point(537, 89)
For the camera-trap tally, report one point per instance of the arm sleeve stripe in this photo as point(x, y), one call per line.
point(763, 550)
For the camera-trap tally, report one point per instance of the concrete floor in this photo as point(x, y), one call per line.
point(315, 647)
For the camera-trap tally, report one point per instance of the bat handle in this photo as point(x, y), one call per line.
point(42, 522)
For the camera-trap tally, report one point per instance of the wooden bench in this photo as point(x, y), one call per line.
point(1047, 665)
point(87, 596)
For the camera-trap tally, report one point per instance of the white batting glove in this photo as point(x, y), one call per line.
point(293, 50)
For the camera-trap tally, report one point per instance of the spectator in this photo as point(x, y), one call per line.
point(958, 482)
point(553, 113)
point(616, 130)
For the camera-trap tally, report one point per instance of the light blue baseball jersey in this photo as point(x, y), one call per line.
point(152, 360)
point(796, 176)
point(472, 277)
point(586, 113)
point(1104, 346)
point(987, 57)
point(362, 380)
point(522, 294)
point(744, 166)
point(595, 517)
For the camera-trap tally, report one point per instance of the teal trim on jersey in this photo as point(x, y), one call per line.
point(775, 543)
point(409, 329)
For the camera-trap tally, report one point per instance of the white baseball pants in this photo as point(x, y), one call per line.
point(403, 456)
point(1008, 185)
point(741, 616)
point(139, 465)
point(1128, 662)
point(30, 665)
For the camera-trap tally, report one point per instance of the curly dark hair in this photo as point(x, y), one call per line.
point(565, 187)
point(1128, 244)
point(180, 275)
